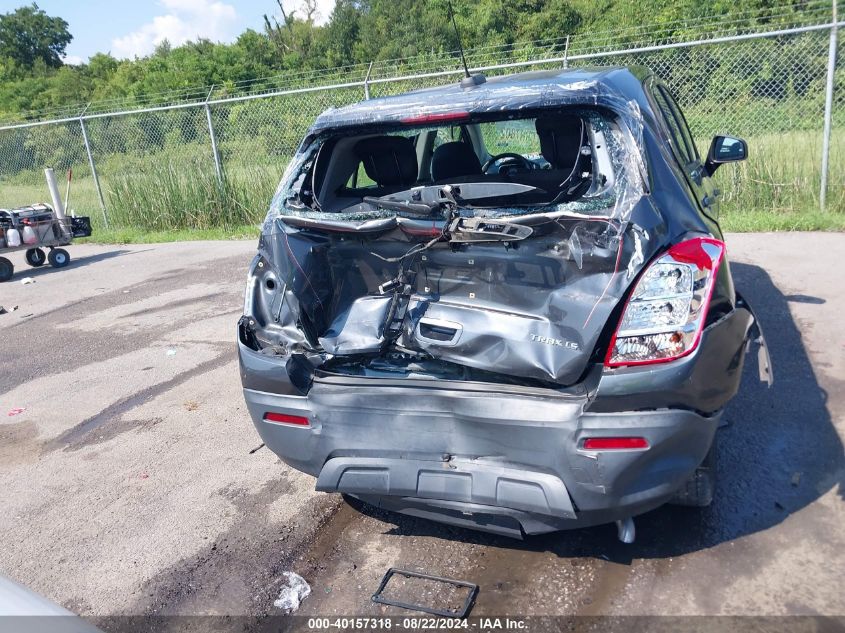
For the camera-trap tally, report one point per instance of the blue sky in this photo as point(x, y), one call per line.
point(129, 28)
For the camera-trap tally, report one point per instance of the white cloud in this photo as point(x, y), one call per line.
point(324, 10)
point(185, 20)
point(72, 60)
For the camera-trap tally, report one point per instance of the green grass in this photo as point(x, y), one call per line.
point(766, 221)
point(167, 197)
point(83, 196)
point(782, 176)
point(141, 236)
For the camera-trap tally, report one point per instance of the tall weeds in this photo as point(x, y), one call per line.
point(177, 196)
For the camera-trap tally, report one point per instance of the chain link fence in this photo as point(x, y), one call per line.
point(164, 166)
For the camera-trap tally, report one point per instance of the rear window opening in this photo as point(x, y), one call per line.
point(556, 160)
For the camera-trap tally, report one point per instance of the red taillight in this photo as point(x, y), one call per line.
point(665, 314)
point(436, 117)
point(615, 443)
point(284, 418)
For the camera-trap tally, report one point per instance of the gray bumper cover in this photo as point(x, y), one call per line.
point(452, 480)
point(467, 457)
point(509, 460)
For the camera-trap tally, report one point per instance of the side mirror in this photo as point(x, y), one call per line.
point(725, 149)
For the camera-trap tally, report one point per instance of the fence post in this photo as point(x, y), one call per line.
point(367, 82)
point(566, 54)
point(93, 167)
point(217, 166)
point(828, 108)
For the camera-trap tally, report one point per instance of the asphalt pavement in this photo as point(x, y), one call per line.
point(130, 484)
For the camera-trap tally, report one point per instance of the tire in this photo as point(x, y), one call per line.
point(699, 490)
point(35, 257)
point(7, 269)
point(59, 258)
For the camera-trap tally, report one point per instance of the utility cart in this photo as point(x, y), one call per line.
point(35, 228)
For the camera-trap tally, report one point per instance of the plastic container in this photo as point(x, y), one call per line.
point(13, 238)
point(29, 235)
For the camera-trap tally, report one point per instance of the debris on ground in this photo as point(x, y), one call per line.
point(796, 479)
point(15, 411)
point(293, 592)
point(191, 405)
point(445, 597)
point(28, 280)
point(171, 352)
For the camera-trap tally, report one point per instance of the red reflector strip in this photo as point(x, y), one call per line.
point(692, 252)
point(614, 443)
point(284, 418)
point(436, 117)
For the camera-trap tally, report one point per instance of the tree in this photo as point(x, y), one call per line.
point(338, 37)
point(294, 37)
point(28, 35)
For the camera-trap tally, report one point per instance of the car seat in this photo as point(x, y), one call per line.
point(454, 160)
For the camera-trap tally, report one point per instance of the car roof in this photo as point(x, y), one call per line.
point(546, 88)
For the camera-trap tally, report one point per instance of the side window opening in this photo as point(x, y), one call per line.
point(447, 135)
point(382, 162)
point(518, 135)
point(360, 180)
point(682, 123)
point(684, 148)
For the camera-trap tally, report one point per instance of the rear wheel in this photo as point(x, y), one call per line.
point(7, 269)
point(699, 489)
point(59, 258)
point(35, 257)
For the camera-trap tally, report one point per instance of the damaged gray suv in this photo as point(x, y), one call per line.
point(500, 304)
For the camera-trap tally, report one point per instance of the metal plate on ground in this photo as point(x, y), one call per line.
point(457, 606)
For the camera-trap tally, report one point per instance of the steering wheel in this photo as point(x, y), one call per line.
point(512, 157)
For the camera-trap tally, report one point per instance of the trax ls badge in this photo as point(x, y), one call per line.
point(557, 342)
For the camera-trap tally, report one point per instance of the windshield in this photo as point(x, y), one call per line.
point(505, 164)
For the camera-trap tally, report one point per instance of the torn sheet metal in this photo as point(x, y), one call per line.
point(359, 328)
point(534, 312)
point(365, 281)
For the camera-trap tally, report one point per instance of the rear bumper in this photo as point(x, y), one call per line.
point(509, 461)
point(503, 462)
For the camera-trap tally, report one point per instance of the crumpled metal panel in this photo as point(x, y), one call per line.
point(532, 309)
point(535, 311)
point(359, 328)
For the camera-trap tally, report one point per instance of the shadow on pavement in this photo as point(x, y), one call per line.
point(778, 453)
point(23, 271)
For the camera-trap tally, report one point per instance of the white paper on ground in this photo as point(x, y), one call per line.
point(293, 592)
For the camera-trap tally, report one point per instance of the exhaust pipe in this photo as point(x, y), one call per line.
point(626, 531)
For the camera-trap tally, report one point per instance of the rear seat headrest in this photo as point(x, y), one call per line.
point(453, 160)
point(561, 138)
point(388, 160)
